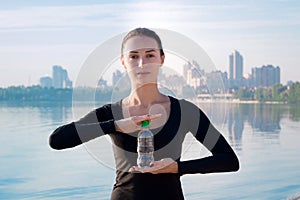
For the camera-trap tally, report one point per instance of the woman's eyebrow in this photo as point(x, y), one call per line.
point(148, 51)
point(151, 50)
point(133, 51)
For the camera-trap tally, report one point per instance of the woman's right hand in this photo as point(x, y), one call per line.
point(131, 124)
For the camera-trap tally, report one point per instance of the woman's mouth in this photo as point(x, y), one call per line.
point(143, 73)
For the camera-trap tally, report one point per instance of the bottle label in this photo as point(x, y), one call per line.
point(145, 145)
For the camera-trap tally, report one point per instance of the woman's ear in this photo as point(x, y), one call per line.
point(162, 59)
point(123, 62)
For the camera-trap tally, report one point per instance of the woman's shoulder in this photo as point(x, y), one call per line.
point(109, 106)
point(183, 102)
point(187, 107)
point(109, 109)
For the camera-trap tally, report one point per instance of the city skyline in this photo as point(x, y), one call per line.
point(36, 35)
point(192, 75)
point(59, 79)
point(234, 75)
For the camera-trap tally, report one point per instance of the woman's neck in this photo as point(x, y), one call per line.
point(145, 95)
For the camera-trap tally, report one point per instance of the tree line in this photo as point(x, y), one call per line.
point(38, 93)
point(276, 93)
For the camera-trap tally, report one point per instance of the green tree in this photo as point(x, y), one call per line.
point(244, 94)
point(294, 93)
point(279, 92)
point(258, 94)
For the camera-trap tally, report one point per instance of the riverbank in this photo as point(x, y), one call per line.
point(236, 101)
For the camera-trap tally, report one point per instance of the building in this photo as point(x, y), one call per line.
point(120, 81)
point(217, 82)
point(235, 69)
point(193, 75)
point(266, 76)
point(60, 77)
point(46, 82)
point(116, 77)
point(102, 84)
point(171, 85)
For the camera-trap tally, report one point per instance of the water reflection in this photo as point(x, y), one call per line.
point(294, 112)
point(264, 119)
point(236, 118)
point(57, 112)
point(248, 127)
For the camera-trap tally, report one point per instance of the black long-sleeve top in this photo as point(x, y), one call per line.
point(184, 117)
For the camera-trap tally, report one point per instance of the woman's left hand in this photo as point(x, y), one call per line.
point(166, 165)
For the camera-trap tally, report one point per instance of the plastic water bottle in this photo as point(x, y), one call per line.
point(145, 147)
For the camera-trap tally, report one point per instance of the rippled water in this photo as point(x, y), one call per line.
point(265, 137)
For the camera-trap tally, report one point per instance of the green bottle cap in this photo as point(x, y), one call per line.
point(145, 124)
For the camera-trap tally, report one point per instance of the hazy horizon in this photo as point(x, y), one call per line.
point(37, 35)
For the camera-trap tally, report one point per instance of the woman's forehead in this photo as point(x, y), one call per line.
point(138, 43)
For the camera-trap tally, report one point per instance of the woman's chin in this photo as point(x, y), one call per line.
point(144, 82)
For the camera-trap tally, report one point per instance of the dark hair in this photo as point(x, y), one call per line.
point(142, 32)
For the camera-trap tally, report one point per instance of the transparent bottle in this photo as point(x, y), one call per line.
point(145, 146)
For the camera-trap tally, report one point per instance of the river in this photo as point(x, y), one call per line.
point(265, 138)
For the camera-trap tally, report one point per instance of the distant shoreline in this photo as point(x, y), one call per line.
point(274, 95)
point(237, 101)
point(230, 101)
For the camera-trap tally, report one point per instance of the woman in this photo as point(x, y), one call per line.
point(142, 56)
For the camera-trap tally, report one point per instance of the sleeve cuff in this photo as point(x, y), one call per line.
point(91, 131)
point(108, 126)
point(179, 165)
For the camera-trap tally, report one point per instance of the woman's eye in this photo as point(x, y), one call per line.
point(134, 57)
point(150, 56)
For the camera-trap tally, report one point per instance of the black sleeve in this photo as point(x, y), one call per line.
point(94, 124)
point(223, 158)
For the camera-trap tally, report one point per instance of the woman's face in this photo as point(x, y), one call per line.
point(142, 60)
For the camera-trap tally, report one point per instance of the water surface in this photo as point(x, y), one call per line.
point(265, 138)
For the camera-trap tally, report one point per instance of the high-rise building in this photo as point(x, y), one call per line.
point(217, 82)
point(193, 75)
point(120, 81)
point(266, 76)
point(60, 77)
point(117, 76)
point(46, 82)
point(102, 84)
point(235, 69)
point(57, 76)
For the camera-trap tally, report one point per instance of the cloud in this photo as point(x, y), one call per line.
point(68, 32)
point(104, 15)
point(153, 14)
point(59, 16)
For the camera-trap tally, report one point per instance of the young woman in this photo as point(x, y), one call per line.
point(142, 56)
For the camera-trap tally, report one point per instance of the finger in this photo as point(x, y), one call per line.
point(155, 116)
point(140, 118)
point(156, 172)
point(133, 170)
point(142, 170)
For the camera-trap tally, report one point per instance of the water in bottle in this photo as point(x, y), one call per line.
point(145, 146)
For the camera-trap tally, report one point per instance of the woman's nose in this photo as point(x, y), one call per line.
point(141, 63)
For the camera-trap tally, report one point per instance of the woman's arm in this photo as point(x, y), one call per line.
point(223, 158)
point(93, 125)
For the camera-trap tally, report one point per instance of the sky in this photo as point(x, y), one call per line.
point(35, 35)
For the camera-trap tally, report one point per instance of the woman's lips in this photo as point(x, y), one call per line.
point(142, 73)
